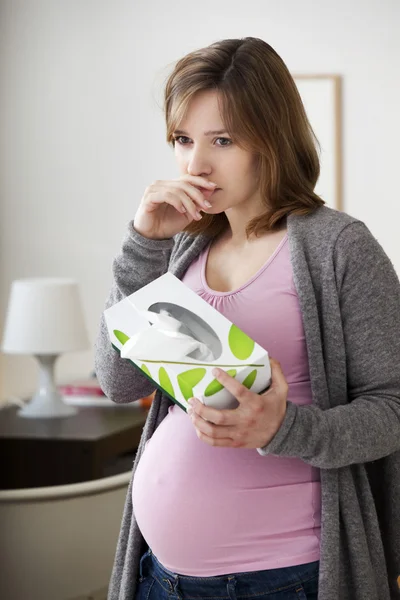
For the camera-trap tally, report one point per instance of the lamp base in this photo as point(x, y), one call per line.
point(47, 403)
point(46, 407)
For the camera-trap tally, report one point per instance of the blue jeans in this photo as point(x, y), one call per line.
point(287, 583)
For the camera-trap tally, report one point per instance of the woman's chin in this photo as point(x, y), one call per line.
point(214, 209)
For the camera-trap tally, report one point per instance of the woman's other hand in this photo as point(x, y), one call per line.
point(253, 423)
point(167, 207)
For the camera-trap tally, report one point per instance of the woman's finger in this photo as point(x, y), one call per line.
point(278, 379)
point(237, 389)
point(198, 181)
point(189, 205)
point(194, 194)
point(164, 197)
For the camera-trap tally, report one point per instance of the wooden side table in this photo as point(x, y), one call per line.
point(94, 443)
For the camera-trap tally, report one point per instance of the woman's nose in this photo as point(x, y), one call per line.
point(198, 164)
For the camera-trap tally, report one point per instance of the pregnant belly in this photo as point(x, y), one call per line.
point(199, 505)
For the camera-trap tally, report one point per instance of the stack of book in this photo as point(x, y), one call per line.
point(83, 392)
point(87, 392)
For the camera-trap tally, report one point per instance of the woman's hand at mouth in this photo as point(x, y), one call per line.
point(167, 207)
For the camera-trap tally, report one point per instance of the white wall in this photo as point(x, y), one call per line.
point(82, 130)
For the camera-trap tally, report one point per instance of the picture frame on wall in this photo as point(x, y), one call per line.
point(322, 98)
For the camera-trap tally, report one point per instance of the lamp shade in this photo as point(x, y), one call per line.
point(44, 317)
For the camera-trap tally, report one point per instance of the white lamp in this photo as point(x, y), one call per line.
point(45, 319)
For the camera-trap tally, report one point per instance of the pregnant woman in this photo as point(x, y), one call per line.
point(291, 495)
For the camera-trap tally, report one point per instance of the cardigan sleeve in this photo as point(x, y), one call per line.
point(140, 261)
point(366, 426)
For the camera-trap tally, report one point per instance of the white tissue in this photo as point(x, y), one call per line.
point(163, 341)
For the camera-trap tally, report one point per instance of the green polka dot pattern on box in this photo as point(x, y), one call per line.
point(165, 382)
point(188, 379)
point(121, 336)
point(145, 370)
point(250, 379)
point(240, 344)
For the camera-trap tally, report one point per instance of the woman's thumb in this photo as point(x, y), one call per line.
point(278, 380)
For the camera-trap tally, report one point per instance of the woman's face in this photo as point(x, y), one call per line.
point(203, 148)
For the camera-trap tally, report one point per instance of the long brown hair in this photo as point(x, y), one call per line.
point(263, 112)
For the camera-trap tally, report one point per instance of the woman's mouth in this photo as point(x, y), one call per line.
point(208, 193)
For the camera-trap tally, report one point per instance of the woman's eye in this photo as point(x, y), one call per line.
point(179, 139)
point(225, 140)
point(183, 140)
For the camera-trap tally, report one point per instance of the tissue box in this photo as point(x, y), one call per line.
point(176, 338)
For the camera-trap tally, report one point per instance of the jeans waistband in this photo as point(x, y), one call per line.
point(242, 584)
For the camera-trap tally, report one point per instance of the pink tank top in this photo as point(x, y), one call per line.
point(207, 510)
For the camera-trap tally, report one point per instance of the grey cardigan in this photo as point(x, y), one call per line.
point(349, 297)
